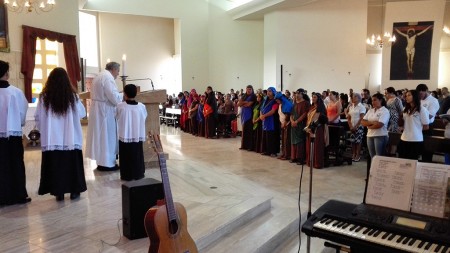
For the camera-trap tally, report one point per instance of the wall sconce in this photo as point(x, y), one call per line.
point(446, 30)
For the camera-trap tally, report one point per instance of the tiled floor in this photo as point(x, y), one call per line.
point(199, 169)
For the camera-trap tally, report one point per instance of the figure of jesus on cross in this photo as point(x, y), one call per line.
point(411, 36)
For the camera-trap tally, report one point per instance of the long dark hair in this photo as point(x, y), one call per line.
point(320, 105)
point(58, 94)
point(410, 109)
point(306, 97)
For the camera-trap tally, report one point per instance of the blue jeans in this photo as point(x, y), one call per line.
point(377, 145)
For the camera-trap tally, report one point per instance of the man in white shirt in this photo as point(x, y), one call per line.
point(432, 106)
point(101, 140)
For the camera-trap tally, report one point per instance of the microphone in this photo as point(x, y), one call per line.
point(322, 119)
point(153, 87)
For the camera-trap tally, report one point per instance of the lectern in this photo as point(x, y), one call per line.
point(84, 96)
point(151, 99)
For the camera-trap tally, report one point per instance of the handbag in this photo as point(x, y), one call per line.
point(207, 110)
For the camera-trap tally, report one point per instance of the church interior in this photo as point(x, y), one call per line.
point(236, 201)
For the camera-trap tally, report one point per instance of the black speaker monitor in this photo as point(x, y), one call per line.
point(137, 197)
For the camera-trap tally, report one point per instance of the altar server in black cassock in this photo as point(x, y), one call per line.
point(13, 109)
point(58, 116)
point(131, 117)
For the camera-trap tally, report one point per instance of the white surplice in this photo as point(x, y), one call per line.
point(51, 126)
point(131, 122)
point(13, 109)
point(101, 140)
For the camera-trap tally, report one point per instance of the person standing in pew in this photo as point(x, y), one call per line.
point(13, 110)
point(257, 124)
point(271, 124)
point(376, 120)
point(284, 115)
point(432, 105)
point(101, 141)
point(298, 123)
point(415, 120)
point(131, 117)
point(316, 129)
point(58, 116)
point(201, 117)
point(355, 113)
point(246, 103)
point(210, 109)
point(193, 114)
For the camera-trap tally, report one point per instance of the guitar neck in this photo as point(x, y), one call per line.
point(171, 213)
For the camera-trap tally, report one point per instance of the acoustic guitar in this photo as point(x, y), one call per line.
point(166, 223)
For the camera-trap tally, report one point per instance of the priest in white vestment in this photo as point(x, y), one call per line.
point(101, 140)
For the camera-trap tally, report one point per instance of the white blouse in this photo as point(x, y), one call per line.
point(432, 105)
point(60, 132)
point(381, 115)
point(131, 122)
point(355, 112)
point(413, 125)
point(13, 110)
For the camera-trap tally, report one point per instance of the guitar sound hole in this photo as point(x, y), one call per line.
point(173, 227)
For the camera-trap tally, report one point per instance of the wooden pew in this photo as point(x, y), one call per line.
point(435, 144)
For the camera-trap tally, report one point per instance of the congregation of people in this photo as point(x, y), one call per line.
point(272, 123)
point(283, 125)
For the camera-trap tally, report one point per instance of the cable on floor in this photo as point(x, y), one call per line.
point(112, 244)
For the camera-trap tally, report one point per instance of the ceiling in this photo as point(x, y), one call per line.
point(256, 9)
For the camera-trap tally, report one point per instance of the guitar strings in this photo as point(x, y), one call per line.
point(300, 211)
point(112, 244)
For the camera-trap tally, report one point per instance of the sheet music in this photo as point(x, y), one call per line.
point(391, 182)
point(430, 190)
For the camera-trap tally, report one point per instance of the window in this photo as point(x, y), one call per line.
point(88, 38)
point(46, 60)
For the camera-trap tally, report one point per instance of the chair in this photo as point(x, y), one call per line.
point(172, 116)
point(161, 112)
point(336, 152)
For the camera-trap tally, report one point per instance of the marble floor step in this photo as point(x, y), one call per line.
point(220, 215)
point(263, 234)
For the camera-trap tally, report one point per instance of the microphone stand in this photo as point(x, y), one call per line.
point(141, 79)
point(312, 136)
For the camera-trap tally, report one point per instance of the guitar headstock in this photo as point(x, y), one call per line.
point(155, 142)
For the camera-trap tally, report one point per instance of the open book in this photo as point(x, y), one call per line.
point(408, 185)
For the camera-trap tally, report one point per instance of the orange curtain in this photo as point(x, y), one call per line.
point(30, 34)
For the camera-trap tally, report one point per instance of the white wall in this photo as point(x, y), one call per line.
point(271, 67)
point(373, 70)
point(444, 55)
point(148, 43)
point(432, 10)
point(321, 45)
point(193, 21)
point(235, 52)
point(63, 18)
point(444, 66)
